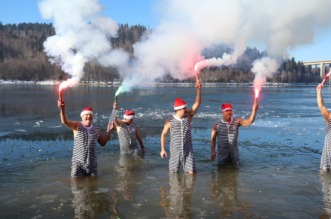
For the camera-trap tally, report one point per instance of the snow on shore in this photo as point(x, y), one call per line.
point(155, 84)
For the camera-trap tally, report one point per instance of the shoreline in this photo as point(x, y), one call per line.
point(160, 84)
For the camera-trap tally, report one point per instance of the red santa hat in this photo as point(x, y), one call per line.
point(87, 110)
point(129, 114)
point(226, 106)
point(179, 104)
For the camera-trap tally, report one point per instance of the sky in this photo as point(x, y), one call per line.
point(146, 12)
point(123, 11)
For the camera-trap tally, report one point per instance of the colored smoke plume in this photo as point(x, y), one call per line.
point(186, 28)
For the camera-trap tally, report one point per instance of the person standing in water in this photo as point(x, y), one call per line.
point(86, 136)
point(128, 133)
point(325, 164)
point(226, 132)
point(179, 125)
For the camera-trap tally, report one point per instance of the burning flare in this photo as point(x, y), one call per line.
point(196, 72)
point(60, 95)
point(68, 83)
point(119, 90)
point(326, 76)
point(257, 92)
point(263, 68)
point(61, 87)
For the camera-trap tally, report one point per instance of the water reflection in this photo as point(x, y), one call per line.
point(128, 176)
point(224, 191)
point(176, 201)
point(42, 135)
point(326, 190)
point(88, 200)
point(128, 171)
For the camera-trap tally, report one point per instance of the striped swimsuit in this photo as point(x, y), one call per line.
point(181, 150)
point(84, 159)
point(127, 139)
point(326, 154)
point(227, 142)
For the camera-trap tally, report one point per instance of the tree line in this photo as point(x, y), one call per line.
point(22, 58)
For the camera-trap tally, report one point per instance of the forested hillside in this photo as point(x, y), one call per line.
point(22, 58)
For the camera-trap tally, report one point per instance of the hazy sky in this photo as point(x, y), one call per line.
point(147, 12)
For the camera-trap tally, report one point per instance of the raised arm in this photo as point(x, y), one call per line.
point(250, 120)
point(117, 121)
point(165, 131)
point(73, 125)
point(320, 102)
point(213, 142)
point(197, 102)
point(103, 139)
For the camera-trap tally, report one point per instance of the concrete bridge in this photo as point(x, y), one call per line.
point(323, 65)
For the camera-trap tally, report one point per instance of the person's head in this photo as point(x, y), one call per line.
point(180, 107)
point(128, 116)
point(227, 111)
point(87, 116)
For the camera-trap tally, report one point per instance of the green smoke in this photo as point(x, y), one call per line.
point(119, 90)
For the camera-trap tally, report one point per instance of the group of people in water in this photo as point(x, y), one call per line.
point(224, 134)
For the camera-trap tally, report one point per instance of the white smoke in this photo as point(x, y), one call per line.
point(189, 26)
point(186, 28)
point(82, 35)
point(263, 69)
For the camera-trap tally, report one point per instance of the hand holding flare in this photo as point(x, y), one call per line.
point(119, 90)
point(112, 117)
point(255, 105)
point(196, 76)
point(326, 76)
point(60, 102)
point(61, 87)
point(60, 95)
point(197, 81)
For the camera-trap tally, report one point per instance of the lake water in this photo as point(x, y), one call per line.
point(280, 154)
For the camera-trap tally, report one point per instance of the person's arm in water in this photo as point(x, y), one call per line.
point(140, 140)
point(165, 131)
point(104, 139)
point(213, 142)
point(250, 120)
point(197, 102)
point(320, 102)
point(73, 125)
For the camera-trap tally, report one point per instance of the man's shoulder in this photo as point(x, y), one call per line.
point(237, 120)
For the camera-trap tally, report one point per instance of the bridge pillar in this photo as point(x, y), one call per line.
point(322, 70)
